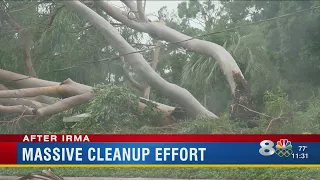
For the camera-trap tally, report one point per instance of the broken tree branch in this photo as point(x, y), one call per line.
point(254, 111)
point(73, 88)
point(15, 80)
point(66, 89)
point(64, 104)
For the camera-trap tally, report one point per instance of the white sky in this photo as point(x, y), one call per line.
point(154, 5)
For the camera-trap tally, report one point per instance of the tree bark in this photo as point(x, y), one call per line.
point(138, 63)
point(32, 92)
point(15, 80)
point(26, 42)
point(155, 60)
point(129, 77)
point(21, 101)
point(64, 104)
point(17, 109)
point(3, 87)
point(141, 9)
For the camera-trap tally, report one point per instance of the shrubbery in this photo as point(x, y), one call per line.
point(114, 110)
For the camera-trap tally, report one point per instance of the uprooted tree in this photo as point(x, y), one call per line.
point(32, 97)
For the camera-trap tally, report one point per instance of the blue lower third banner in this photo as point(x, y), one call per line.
point(167, 153)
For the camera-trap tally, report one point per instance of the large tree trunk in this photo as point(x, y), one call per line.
point(138, 63)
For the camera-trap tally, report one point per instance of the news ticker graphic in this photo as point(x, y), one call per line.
point(154, 150)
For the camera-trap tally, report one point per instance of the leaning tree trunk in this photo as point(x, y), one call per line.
point(138, 63)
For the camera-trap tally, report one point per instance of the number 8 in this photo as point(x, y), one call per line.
point(266, 148)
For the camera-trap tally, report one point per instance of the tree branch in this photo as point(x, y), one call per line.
point(64, 104)
point(53, 16)
point(120, 16)
point(129, 76)
point(132, 6)
point(155, 60)
point(254, 111)
point(3, 87)
point(20, 81)
point(15, 80)
point(25, 40)
point(161, 31)
point(11, 20)
point(16, 109)
point(20, 101)
point(140, 8)
point(138, 63)
point(24, 8)
point(67, 87)
point(32, 92)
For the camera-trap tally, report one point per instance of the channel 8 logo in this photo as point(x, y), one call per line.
point(266, 148)
point(283, 148)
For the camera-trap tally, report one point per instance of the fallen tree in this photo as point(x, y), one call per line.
point(73, 94)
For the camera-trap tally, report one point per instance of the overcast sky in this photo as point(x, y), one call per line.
point(154, 5)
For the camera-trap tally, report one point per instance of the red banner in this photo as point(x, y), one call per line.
point(8, 153)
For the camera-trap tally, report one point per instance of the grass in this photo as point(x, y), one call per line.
point(188, 173)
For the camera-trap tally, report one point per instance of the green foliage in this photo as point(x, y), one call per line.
point(276, 103)
point(118, 107)
point(308, 121)
point(114, 109)
point(189, 9)
point(112, 103)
